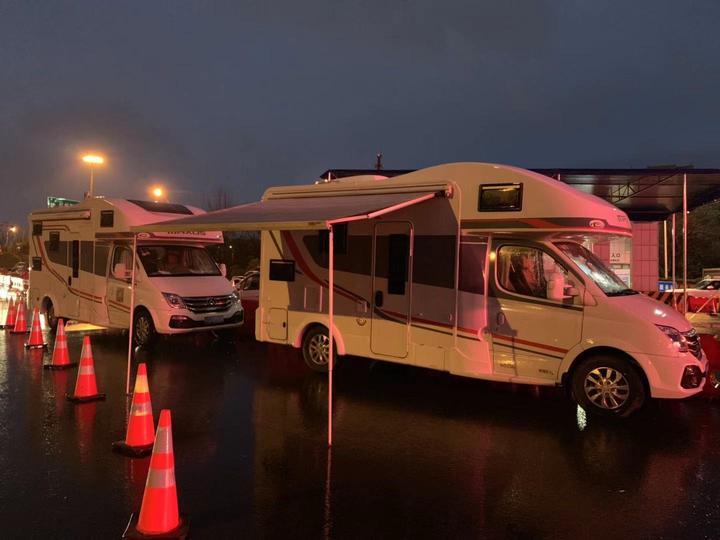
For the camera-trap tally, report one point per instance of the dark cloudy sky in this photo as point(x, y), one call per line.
point(242, 94)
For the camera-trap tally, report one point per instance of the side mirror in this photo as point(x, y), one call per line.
point(573, 291)
point(223, 269)
point(120, 271)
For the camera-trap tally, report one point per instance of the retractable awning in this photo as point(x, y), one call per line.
point(320, 211)
point(296, 213)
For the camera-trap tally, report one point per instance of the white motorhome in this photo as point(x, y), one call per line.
point(81, 265)
point(491, 277)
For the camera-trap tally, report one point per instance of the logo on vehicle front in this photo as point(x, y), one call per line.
point(597, 223)
point(211, 302)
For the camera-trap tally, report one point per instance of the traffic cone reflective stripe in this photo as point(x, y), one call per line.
point(61, 355)
point(85, 385)
point(159, 511)
point(36, 336)
point(20, 323)
point(141, 428)
point(10, 317)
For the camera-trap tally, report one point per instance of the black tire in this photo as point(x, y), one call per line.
point(315, 349)
point(607, 385)
point(52, 320)
point(144, 333)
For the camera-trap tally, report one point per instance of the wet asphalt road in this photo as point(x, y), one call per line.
point(417, 454)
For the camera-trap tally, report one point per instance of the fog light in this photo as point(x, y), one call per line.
point(180, 321)
point(692, 377)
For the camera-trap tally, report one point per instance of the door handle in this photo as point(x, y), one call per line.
point(69, 280)
point(378, 298)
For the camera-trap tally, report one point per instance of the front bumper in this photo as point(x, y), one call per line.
point(665, 374)
point(182, 321)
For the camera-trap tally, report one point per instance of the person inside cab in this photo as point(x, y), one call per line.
point(525, 277)
point(173, 264)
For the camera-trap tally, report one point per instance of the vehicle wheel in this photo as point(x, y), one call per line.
point(52, 320)
point(143, 329)
point(315, 349)
point(608, 386)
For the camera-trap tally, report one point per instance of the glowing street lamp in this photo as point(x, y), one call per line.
point(12, 230)
point(92, 161)
point(157, 192)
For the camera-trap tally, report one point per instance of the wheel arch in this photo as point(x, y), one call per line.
point(605, 350)
point(337, 336)
point(142, 307)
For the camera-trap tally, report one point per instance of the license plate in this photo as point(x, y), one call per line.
point(213, 320)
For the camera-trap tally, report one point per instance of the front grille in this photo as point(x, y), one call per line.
point(693, 342)
point(208, 304)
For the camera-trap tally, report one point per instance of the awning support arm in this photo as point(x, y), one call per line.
point(331, 325)
point(132, 313)
point(685, 235)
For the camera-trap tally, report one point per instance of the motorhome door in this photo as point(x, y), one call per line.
point(392, 264)
point(71, 309)
point(118, 287)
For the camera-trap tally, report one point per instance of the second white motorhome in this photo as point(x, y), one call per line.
point(490, 278)
point(81, 262)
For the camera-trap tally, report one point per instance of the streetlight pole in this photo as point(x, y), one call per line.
point(92, 160)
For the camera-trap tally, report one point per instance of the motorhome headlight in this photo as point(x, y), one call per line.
point(174, 301)
point(678, 340)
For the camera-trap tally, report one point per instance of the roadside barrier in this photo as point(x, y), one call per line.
point(141, 427)
point(158, 517)
point(10, 316)
point(85, 385)
point(61, 355)
point(20, 322)
point(36, 340)
point(695, 304)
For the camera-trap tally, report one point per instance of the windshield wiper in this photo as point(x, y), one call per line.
point(624, 292)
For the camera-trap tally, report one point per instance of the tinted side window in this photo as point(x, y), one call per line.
point(340, 237)
point(398, 253)
point(531, 272)
point(54, 245)
point(500, 198)
point(122, 255)
point(107, 218)
point(75, 258)
point(282, 270)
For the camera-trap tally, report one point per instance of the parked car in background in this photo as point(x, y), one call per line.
point(248, 287)
point(19, 269)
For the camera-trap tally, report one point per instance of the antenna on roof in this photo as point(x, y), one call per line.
point(378, 162)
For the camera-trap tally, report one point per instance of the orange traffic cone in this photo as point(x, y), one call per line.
point(10, 317)
point(20, 323)
point(158, 516)
point(36, 340)
point(85, 386)
point(141, 427)
point(61, 356)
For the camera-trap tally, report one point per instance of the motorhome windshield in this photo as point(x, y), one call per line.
point(594, 268)
point(177, 261)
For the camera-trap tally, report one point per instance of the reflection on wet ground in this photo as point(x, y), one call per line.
point(417, 454)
